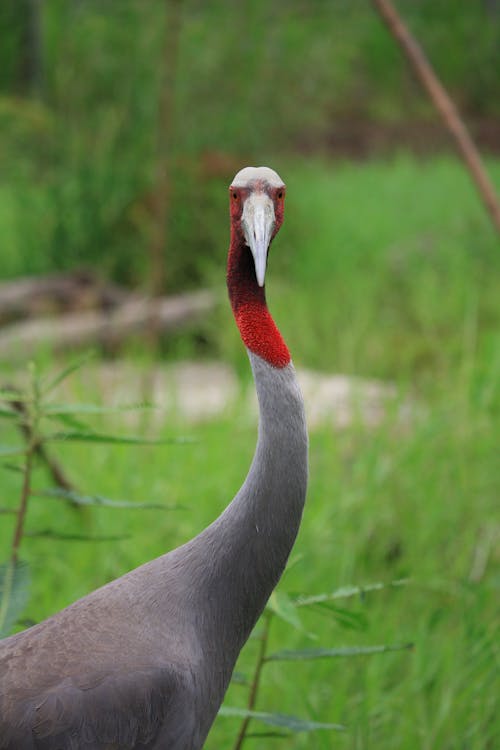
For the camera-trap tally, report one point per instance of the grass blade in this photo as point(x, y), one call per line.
point(12, 450)
point(7, 413)
point(266, 735)
point(98, 500)
point(97, 437)
point(344, 617)
point(8, 394)
point(12, 467)
point(292, 723)
point(347, 591)
point(14, 594)
point(69, 537)
point(70, 421)
point(238, 678)
point(62, 409)
point(67, 371)
point(308, 654)
point(282, 606)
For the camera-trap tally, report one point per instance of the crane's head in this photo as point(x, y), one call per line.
point(257, 198)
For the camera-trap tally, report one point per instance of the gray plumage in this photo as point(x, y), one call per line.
point(143, 663)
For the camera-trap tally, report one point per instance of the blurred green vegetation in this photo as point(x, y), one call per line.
point(417, 498)
point(384, 269)
point(387, 268)
point(80, 84)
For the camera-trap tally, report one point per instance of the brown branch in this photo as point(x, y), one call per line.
point(27, 422)
point(444, 106)
point(23, 507)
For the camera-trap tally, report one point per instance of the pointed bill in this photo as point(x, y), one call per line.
point(258, 222)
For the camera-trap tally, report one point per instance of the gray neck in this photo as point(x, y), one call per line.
point(238, 560)
point(267, 510)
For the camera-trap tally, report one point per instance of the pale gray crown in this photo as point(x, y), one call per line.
point(250, 174)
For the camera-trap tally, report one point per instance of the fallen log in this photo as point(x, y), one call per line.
point(104, 328)
point(35, 296)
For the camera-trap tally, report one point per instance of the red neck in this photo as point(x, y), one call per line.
point(257, 328)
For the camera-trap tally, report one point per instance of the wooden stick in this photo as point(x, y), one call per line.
point(444, 105)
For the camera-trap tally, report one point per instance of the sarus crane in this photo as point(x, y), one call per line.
point(143, 663)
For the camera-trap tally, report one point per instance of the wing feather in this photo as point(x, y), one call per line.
point(121, 709)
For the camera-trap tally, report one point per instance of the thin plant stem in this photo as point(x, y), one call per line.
point(254, 687)
point(28, 422)
point(29, 417)
point(23, 505)
point(54, 468)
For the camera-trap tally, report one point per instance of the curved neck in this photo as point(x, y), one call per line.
point(246, 548)
point(232, 567)
point(248, 301)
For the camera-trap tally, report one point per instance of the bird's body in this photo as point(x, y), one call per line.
point(143, 663)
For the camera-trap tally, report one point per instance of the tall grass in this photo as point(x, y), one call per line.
point(388, 270)
point(385, 269)
point(79, 162)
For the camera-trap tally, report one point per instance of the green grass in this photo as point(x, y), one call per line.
point(383, 269)
point(386, 269)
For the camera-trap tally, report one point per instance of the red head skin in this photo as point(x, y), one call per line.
point(248, 300)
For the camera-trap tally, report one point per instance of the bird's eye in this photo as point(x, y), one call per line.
point(234, 195)
point(280, 195)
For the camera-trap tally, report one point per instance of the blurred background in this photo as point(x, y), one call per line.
point(122, 122)
point(97, 97)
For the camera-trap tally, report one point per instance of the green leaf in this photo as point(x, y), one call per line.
point(63, 409)
point(14, 594)
point(308, 654)
point(295, 559)
point(67, 371)
point(8, 394)
point(96, 437)
point(99, 500)
point(346, 618)
point(12, 450)
point(346, 592)
point(13, 467)
point(238, 678)
point(68, 537)
point(292, 723)
point(71, 421)
point(7, 413)
point(283, 607)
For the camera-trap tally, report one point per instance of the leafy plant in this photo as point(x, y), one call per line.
point(285, 608)
point(42, 423)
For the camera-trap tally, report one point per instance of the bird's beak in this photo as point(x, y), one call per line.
point(257, 221)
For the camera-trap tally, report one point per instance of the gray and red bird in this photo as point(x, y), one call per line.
point(143, 663)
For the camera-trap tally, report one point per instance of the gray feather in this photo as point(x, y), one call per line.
point(144, 662)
